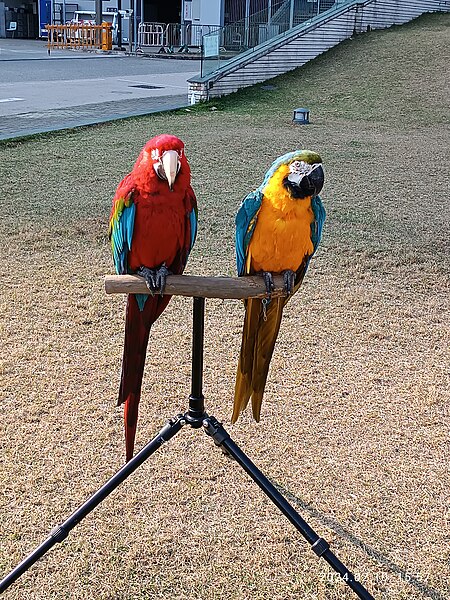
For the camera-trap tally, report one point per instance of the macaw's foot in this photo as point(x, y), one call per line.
point(268, 281)
point(155, 278)
point(289, 281)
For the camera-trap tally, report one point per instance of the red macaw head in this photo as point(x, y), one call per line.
point(162, 160)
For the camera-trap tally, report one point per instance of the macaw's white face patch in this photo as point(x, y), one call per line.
point(156, 155)
point(299, 169)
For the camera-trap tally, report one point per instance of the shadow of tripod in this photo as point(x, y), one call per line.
point(197, 418)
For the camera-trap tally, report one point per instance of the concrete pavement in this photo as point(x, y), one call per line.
point(40, 93)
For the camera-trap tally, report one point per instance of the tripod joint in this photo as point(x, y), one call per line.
point(215, 429)
point(320, 546)
point(58, 533)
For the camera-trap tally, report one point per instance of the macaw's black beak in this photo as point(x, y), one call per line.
point(309, 185)
point(312, 184)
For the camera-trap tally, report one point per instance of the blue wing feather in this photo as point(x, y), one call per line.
point(319, 219)
point(193, 220)
point(245, 224)
point(122, 226)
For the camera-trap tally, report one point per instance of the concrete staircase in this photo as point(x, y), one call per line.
point(302, 43)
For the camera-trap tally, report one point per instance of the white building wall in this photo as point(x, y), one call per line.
point(200, 12)
point(203, 12)
point(211, 12)
point(90, 4)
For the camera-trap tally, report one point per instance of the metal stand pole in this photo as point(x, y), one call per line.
point(98, 12)
point(196, 417)
point(196, 410)
point(60, 532)
point(119, 24)
point(320, 546)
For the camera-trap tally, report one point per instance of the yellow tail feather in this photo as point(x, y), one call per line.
point(258, 341)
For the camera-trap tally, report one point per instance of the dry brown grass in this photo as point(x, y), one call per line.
point(355, 420)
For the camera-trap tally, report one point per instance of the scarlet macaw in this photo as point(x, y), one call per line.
point(278, 229)
point(152, 229)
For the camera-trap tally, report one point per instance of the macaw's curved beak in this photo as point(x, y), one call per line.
point(171, 166)
point(313, 183)
point(302, 186)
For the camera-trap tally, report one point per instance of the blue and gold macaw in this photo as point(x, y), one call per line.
point(278, 229)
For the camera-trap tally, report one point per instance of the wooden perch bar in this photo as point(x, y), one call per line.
point(192, 285)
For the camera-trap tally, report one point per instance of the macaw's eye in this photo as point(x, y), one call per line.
point(299, 167)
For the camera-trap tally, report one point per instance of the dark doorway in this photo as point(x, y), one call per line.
point(162, 11)
point(21, 21)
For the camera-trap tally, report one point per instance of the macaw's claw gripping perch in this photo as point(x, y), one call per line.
point(155, 278)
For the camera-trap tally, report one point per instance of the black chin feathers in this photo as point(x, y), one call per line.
point(302, 190)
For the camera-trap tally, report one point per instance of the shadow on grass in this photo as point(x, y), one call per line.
point(353, 539)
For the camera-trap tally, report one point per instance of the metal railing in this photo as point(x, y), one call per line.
point(172, 37)
point(63, 12)
point(79, 36)
point(225, 43)
point(151, 34)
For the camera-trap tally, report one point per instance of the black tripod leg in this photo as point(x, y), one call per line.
point(59, 533)
point(215, 429)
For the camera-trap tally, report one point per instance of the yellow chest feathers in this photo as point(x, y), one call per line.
point(282, 235)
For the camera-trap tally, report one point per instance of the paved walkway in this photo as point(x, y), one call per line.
point(40, 93)
point(13, 126)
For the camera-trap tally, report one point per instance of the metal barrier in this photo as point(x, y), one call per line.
point(151, 34)
point(79, 36)
point(171, 36)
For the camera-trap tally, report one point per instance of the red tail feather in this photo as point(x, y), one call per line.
point(137, 330)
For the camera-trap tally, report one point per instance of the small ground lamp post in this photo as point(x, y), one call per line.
point(301, 116)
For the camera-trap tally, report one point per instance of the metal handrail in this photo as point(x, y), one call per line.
point(228, 42)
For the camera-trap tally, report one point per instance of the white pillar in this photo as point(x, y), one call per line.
point(247, 22)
